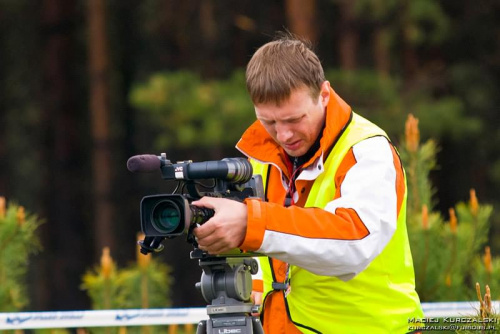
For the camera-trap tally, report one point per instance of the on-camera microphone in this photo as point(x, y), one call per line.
point(144, 163)
point(234, 170)
point(237, 170)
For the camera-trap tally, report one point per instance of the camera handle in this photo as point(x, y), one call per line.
point(226, 283)
point(151, 244)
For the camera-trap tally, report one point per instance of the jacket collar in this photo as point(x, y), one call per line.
point(257, 144)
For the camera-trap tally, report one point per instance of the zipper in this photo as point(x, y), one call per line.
point(291, 183)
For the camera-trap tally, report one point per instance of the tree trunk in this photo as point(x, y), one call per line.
point(209, 36)
point(409, 56)
point(59, 270)
point(301, 18)
point(381, 51)
point(3, 107)
point(3, 136)
point(349, 37)
point(100, 115)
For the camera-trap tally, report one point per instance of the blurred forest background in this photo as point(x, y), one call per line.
point(84, 85)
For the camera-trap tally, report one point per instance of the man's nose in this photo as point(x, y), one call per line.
point(283, 133)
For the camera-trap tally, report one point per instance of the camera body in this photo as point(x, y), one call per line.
point(172, 215)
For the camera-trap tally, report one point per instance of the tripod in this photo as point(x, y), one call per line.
point(226, 283)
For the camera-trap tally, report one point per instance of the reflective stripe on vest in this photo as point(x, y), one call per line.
point(381, 298)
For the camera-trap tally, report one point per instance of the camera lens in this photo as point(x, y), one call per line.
point(166, 216)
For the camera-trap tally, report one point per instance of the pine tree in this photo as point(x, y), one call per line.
point(17, 242)
point(143, 284)
point(447, 254)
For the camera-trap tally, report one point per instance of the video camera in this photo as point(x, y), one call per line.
point(226, 281)
point(171, 215)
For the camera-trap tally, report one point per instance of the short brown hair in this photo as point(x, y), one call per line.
point(279, 67)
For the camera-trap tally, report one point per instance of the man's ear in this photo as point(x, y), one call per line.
point(325, 93)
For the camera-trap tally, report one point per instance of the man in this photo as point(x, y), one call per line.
point(334, 220)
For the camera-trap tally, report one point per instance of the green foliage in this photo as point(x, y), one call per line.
point(375, 9)
point(17, 242)
point(489, 277)
point(420, 163)
point(52, 331)
point(140, 285)
point(444, 117)
point(422, 21)
point(101, 285)
point(385, 101)
point(447, 254)
point(144, 284)
point(426, 21)
point(147, 286)
point(188, 112)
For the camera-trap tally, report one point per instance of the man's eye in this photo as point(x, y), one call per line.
point(268, 123)
point(295, 120)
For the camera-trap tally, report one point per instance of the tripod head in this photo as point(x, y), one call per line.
point(226, 284)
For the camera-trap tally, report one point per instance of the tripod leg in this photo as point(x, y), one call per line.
point(202, 327)
point(257, 326)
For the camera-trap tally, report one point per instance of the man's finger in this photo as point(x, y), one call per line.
point(206, 202)
point(214, 245)
point(204, 230)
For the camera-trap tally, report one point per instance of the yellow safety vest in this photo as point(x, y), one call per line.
point(381, 298)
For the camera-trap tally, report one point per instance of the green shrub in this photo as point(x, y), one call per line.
point(17, 242)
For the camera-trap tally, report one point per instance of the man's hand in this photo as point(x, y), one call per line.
point(256, 300)
point(226, 229)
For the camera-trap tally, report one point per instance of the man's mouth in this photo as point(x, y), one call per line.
point(294, 145)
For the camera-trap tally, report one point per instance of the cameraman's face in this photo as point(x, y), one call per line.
point(296, 123)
